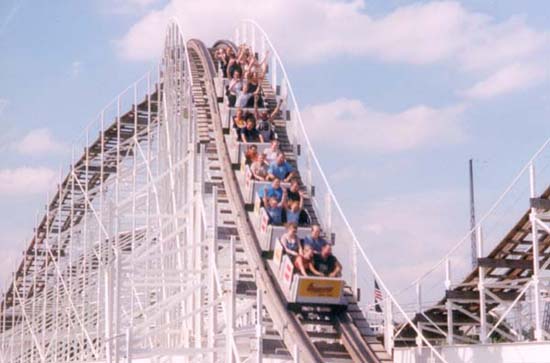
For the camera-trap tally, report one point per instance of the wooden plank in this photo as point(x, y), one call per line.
point(540, 203)
point(474, 295)
point(505, 263)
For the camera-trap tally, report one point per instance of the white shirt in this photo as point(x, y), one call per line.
point(270, 155)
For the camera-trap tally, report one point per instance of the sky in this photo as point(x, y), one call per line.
point(397, 97)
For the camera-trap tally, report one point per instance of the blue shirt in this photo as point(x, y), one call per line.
point(291, 244)
point(293, 217)
point(272, 192)
point(280, 171)
point(316, 244)
point(275, 215)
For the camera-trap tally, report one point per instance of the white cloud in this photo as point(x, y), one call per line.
point(26, 181)
point(508, 79)
point(407, 234)
point(364, 129)
point(414, 34)
point(127, 7)
point(39, 142)
point(3, 105)
point(76, 68)
point(438, 32)
point(10, 15)
point(497, 44)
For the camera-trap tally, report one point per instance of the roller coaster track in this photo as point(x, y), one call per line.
point(506, 271)
point(359, 350)
point(148, 249)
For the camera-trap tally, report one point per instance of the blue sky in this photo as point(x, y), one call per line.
point(417, 87)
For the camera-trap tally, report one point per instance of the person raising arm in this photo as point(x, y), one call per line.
point(274, 208)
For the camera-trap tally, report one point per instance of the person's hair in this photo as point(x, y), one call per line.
point(308, 247)
point(276, 178)
point(280, 153)
point(315, 225)
point(290, 225)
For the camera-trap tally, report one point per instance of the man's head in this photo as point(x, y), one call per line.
point(280, 158)
point(276, 183)
point(261, 158)
point(315, 231)
point(252, 148)
point(239, 112)
point(236, 75)
point(273, 202)
point(275, 145)
point(250, 116)
point(250, 124)
point(263, 115)
point(291, 228)
point(294, 186)
point(326, 250)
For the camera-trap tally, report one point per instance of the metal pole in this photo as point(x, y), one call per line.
point(419, 311)
point(536, 267)
point(128, 345)
point(57, 272)
point(450, 324)
point(212, 280)
point(100, 265)
point(472, 216)
point(34, 319)
point(449, 304)
point(296, 354)
point(388, 324)
point(231, 302)
point(481, 288)
point(259, 327)
point(86, 270)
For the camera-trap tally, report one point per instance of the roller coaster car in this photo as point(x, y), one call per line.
point(306, 290)
point(268, 234)
point(227, 114)
point(238, 149)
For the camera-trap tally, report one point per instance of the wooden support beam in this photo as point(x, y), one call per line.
point(441, 319)
point(540, 203)
point(505, 263)
point(474, 295)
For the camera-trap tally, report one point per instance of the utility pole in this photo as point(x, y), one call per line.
point(472, 217)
